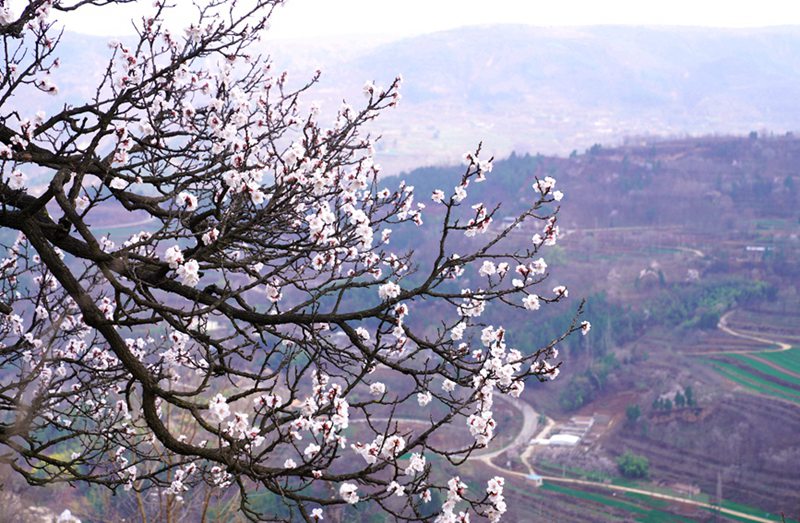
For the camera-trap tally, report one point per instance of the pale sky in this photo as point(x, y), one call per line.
point(309, 18)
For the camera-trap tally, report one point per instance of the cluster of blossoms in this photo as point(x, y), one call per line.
point(388, 448)
point(302, 329)
point(549, 235)
point(494, 490)
point(187, 270)
point(455, 492)
point(16, 180)
point(349, 492)
point(187, 200)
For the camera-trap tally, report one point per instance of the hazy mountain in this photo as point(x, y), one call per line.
point(534, 89)
point(555, 90)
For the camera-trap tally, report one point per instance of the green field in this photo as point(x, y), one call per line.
point(763, 368)
point(789, 360)
point(642, 508)
point(650, 510)
point(754, 382)
point(533, 497)
point(746, 509)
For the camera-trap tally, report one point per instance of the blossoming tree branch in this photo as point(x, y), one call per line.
point(221, 347)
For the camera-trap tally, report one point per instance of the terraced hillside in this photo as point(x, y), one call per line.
point(757, 467)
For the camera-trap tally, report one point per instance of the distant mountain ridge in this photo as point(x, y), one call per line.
point(550, 90)
point(555, 90)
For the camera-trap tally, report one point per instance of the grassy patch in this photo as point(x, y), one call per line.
point(789, 360)
point(763, 368)
point(556, 469)
point(644, 514)
point(648, 500)
point(597, 498)
point(533, 496)
point(754, 383)
point(753, 511)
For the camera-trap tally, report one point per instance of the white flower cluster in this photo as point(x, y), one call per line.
point(494, 490)
point(16, 180)
point(187, 270)
point(389, 291)
point(396, 489)
point(126, 472)
point(274, 293)
point(480, 223)
point(455, 493)
point(321, 225)
point(415, 465)
point(107, 307)
point(210, 236)
point(531, 302)
point(390, 448)
point(220, 477)
point(349, 493)
point(551, 234)
point(218, 406)
point(377, 389)
point(472, 305)
point(545, 187)
point(499, 369)
point(187, 200)
point(178, 485)
point(423, 398)
point(481, 424)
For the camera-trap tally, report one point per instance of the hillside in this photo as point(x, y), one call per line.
point(685, 250)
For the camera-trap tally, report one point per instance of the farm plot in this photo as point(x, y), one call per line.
point(779, 325)
point(782, 370)
point(748, 373)
point(638, 508)
point(696, 452)
point(717, 341)
point(788, 360)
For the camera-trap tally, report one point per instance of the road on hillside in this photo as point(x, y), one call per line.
point(529, 425)
point(723, 326)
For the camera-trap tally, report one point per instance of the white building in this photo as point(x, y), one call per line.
point(564, 440)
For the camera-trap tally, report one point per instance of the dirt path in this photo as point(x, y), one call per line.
point(544, 433)
point(137, 223)
point(723, 326)
point(696, 252)
point(529, 423)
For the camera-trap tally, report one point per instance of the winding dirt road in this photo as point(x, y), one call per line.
point(529, 424)
point(723, 326)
